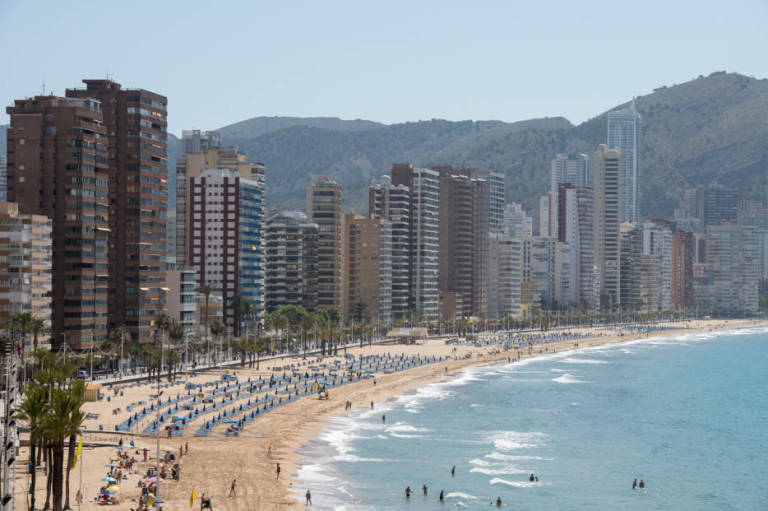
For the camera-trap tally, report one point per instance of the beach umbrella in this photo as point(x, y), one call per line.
point(113, 487)
point(230, 422)
point(153, 479)
point(110, 492)
point(109, 479)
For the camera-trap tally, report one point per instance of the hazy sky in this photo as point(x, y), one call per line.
point(391, 61)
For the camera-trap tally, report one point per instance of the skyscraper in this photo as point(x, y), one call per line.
point(324, 209)
point(424, 236)
point(682, 270)
point(504, 268)
point(733, 256)
point(58, 166)
point(203, 151)
point(291, 261)
point(25, 265)
point(630, 267)
point(464, 230)
point(368, 280)
point(393, 203)
point(517, 224)
point(135, 122)
point(570, 168)
point(226, 213)
point(624, 135)
point(605, 165)
point(657, 240)
point(578, 232)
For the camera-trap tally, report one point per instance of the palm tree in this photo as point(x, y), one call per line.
point(33, 409)
point(207, 291)
point(307, 324)
point(217, 329)
point(37, 327)
point(238, 303)
point(55, 428)
point(76, 418)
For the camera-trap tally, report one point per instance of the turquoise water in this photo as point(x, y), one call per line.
point(687, 414)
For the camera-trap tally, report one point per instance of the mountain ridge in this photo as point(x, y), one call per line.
point(709, 129)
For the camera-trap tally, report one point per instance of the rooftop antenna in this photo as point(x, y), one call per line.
point(43, 86)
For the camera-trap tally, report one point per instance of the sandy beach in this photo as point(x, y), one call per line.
point(274, 437)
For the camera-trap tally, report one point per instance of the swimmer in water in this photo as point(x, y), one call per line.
point(442, 496)
point(453, 470)
point(407, 492)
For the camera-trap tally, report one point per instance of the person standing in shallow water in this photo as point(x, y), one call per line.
point(309, 498)
point(453, 470)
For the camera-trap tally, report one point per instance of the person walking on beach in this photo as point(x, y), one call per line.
point(232, 488)
point(308, 496)
point(278, 471)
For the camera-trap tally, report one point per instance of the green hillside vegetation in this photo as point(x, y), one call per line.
point(711, 129)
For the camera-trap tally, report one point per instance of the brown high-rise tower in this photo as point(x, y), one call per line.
point(57, 167)
point(135, 122)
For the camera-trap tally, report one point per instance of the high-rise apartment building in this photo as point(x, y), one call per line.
point(649, 271)
point(136, 123)
point(624, 135)
point(203, 151)
point(707, 205)
point(578, 232)
point(324, 209)
point(504, 266)
point(548, 215)
point(393, 203)
point(548, 269)
point(58, 166)
point(657, 240)
point(424, 236)
point(517, 224)
point(463, 240)
point(226, 214)
point(291, 261)
point(681, 293)
point(630, 266)
point(368, 267)
point(733, 257)
point(25, 264)
point(605, 165)
point(570, 168)
point(496, 197)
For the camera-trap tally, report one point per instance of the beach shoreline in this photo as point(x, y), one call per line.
point(426, 377)
point(278, 436)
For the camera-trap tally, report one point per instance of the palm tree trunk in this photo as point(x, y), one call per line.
point(70, 458)
point(33, 474)
point(58, 475)
point(49, 476)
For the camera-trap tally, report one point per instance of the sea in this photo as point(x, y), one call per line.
point(686, 414)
